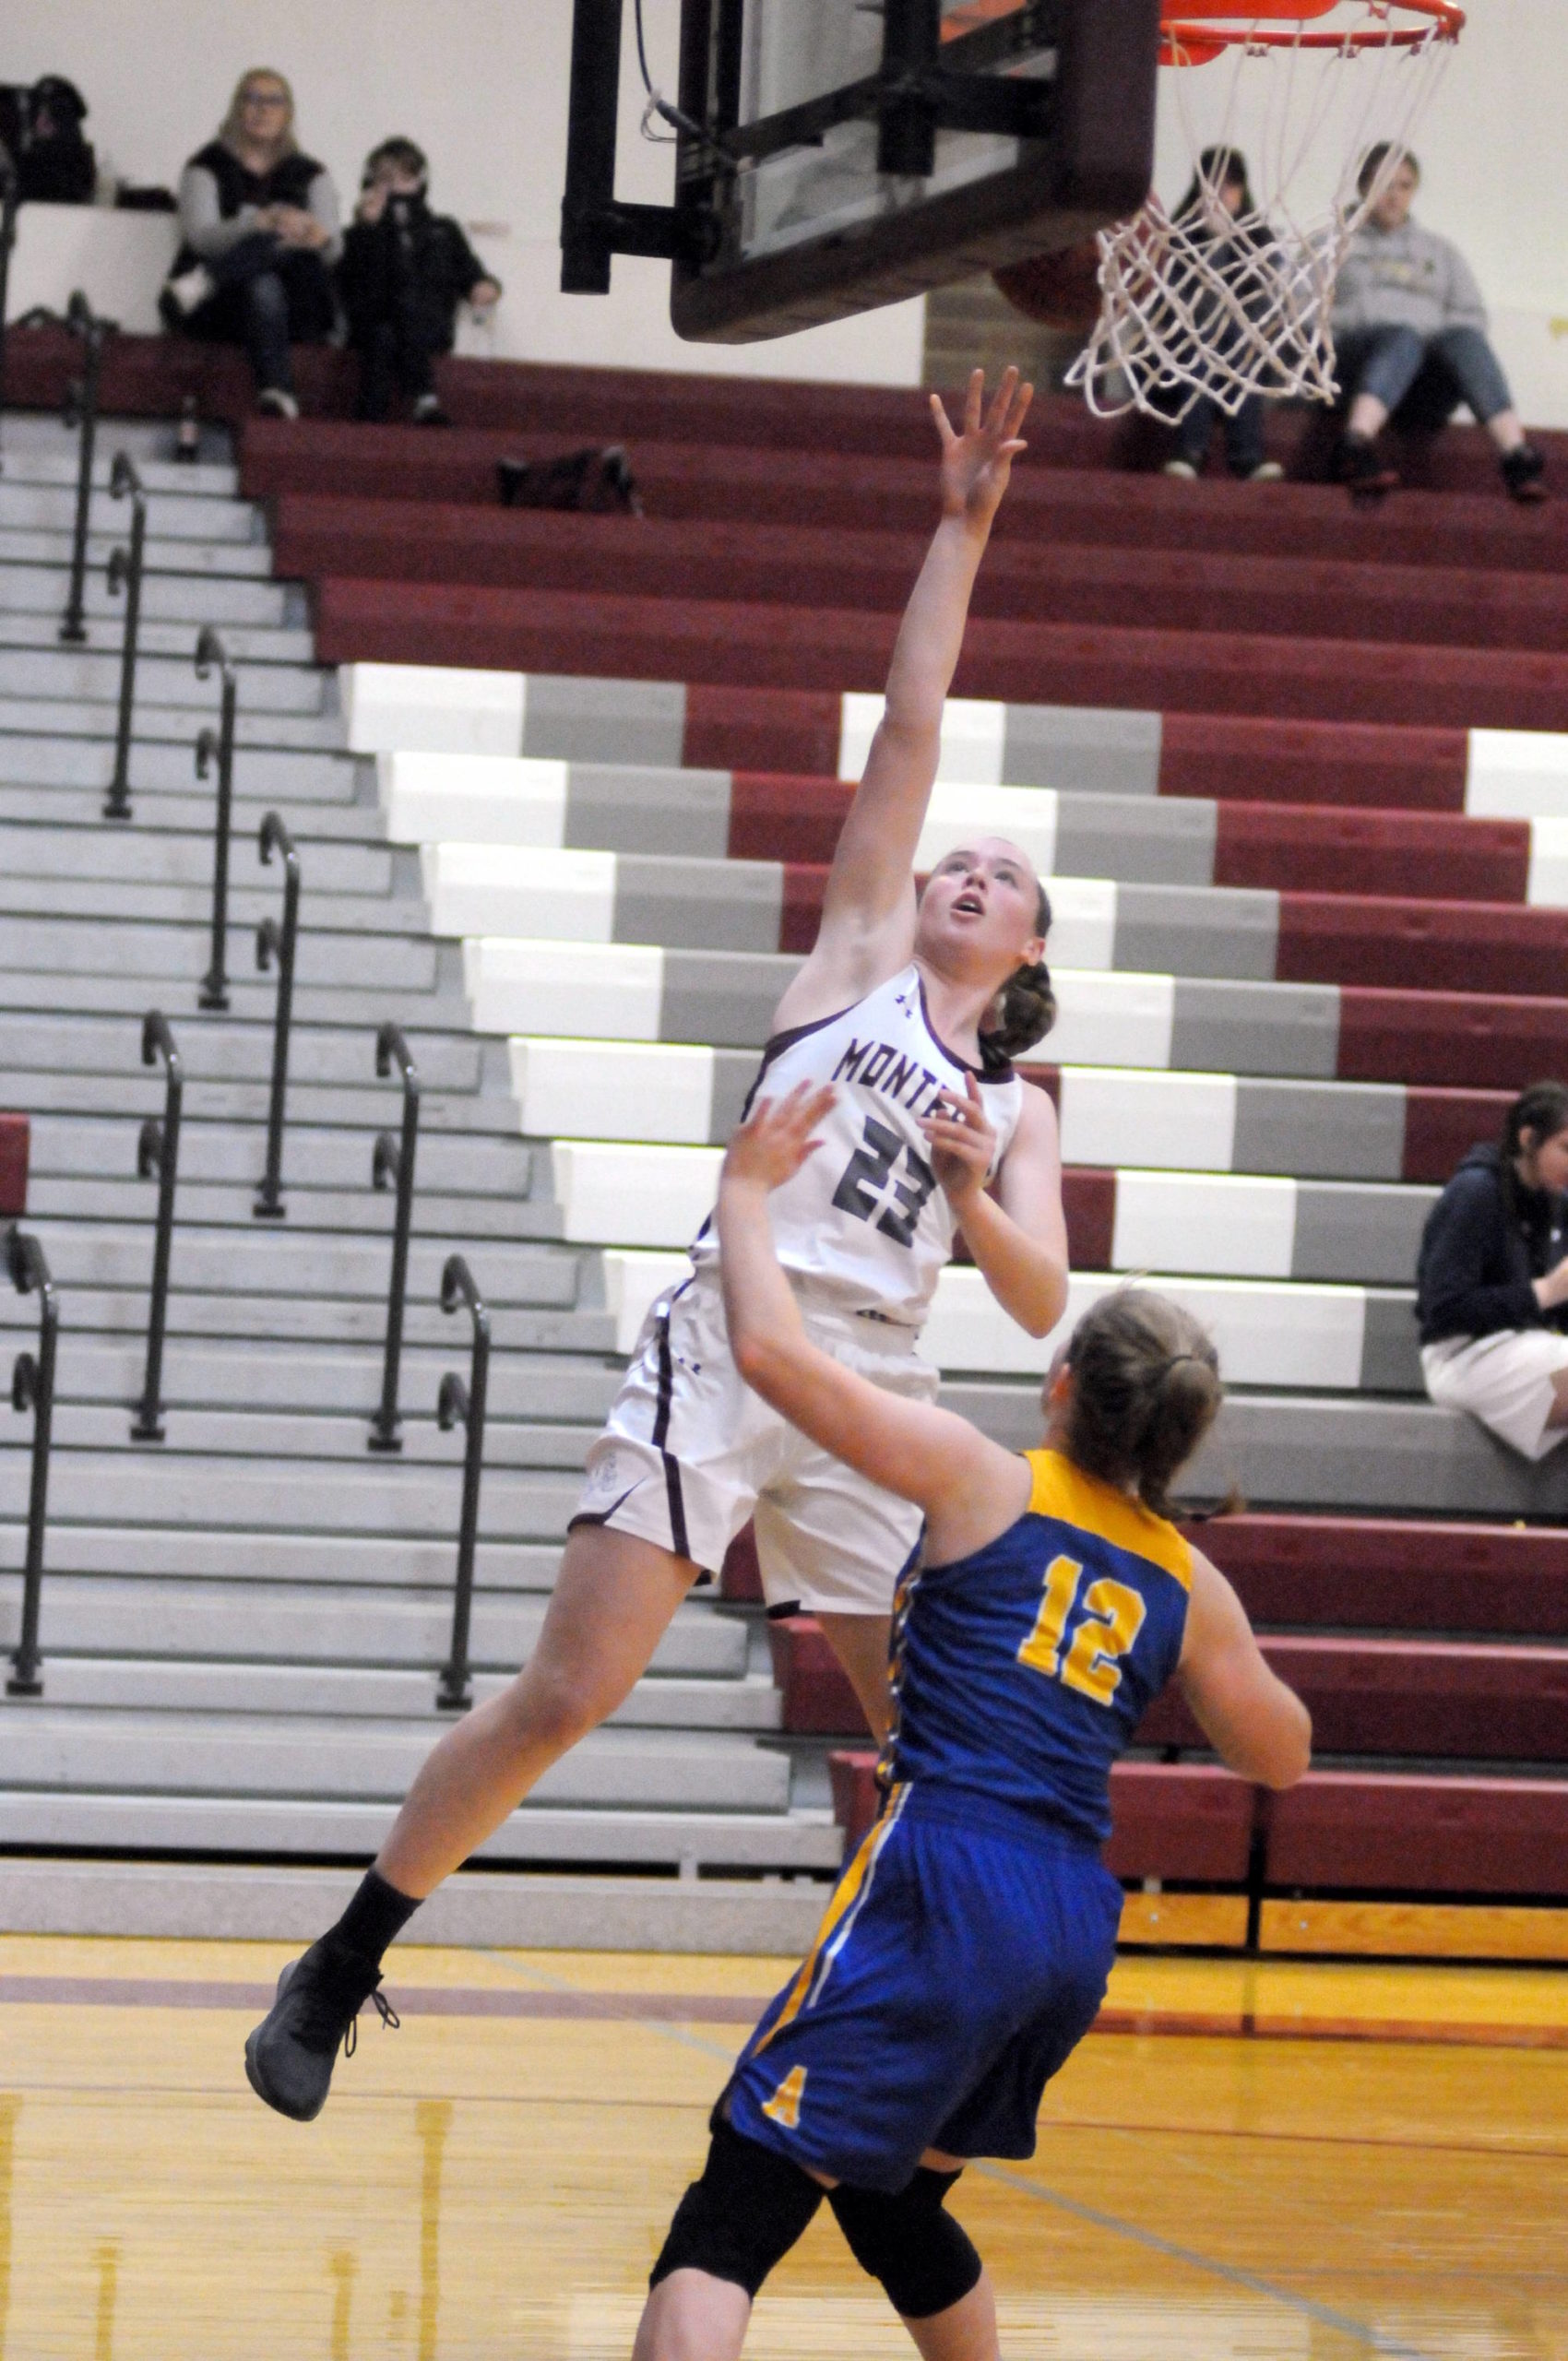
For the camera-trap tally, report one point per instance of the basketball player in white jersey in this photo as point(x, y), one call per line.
point(912, 1010)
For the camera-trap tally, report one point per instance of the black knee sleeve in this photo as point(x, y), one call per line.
point(743, 2217)
point(923, 2257)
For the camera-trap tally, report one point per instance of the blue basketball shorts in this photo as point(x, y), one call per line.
point(962, 1958)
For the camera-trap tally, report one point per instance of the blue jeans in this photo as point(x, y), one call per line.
point(1243, 434)
point(266, 295)
point(1434, 373)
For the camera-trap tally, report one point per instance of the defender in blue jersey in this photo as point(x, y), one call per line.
point(966, 1948)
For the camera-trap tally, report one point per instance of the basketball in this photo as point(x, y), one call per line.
point(1060, 291)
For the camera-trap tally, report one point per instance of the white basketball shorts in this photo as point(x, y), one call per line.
point(1505, 1381)
point(689, 1453)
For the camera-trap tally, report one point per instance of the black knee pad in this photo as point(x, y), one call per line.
point(743, 2217)
point(923, 2257)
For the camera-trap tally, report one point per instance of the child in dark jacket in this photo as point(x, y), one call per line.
point(404, 272)
point(1491, 1281)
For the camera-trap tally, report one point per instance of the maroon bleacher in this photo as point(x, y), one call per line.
point(14, 1144)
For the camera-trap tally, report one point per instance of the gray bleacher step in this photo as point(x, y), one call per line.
point(324, 1829)
point(375, 1693)
point(216, 1048)
point(332, 1321)
point(157, 951)
point(265, 1258)
point(156, 723)
point(74, 678)
point(54, 459)
point(279, 1625)
point(337, 819)
point(301, 1380)
point(28, 586)
point(251, 998)
point(250, 645)
point(299, 1437)
point(191, 561)
point(149, 1753)
point(490, 1110)
point(148, 1483)
point(206, 1553)
point(317, 1159)
point(172, 514)
point(164, 763)
point(532, 1909)
point(326, 1211)
point(136, 856)
point(358, 917)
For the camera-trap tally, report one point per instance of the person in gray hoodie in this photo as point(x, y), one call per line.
point(1409, 334)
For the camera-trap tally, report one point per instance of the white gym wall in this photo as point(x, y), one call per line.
point(482, 86)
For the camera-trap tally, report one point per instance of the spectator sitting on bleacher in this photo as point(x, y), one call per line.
point(1218, 198)
point(259, 223)
point(404, 272)
point(1492, 1283)
point(1410, 333)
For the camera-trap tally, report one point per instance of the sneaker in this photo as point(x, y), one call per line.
point(429, 412)
point(290, 2057)
point(1359, 467)
point(1183, 470)
point(188, 292)
point(1522, 471)
point(277, 403)
point(1270, 472)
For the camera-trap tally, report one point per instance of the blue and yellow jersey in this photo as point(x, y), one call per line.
point(1021, 1671)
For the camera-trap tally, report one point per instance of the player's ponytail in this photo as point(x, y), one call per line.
point(1145, 1391)
point(1025, 1009)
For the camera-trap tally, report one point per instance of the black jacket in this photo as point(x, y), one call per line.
point(1477, 1261)
point(412, 266)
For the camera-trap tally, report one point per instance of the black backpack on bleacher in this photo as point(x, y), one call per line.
point(597, 482)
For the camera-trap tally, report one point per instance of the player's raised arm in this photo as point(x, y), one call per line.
point(868, 915)
point(1259, 1727)
point(971, 1488)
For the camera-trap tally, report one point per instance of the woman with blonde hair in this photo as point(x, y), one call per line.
point(260, 235)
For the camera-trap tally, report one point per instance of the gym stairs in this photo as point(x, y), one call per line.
point(241, 1624)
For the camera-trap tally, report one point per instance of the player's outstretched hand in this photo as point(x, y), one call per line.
point(976, 463)
point(777, 1136)
point(962, 1143)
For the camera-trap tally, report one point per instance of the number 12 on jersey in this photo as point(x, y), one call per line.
point(1112, 1617)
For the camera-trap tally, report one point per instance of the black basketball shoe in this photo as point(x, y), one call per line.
point(290, 2057)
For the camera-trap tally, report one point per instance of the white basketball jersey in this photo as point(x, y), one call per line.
point(864, 1216)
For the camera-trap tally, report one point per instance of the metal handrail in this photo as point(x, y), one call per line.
point(394, 1160)
point(33, 1388)
point(210, 650)
point(124, 573)
point(157, 1156)
point(80, 320)
point(459, 1404)
point(273, 942)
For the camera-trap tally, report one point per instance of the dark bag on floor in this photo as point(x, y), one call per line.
point(598, 482)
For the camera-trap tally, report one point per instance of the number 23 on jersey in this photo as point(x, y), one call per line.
point(1112, 1617)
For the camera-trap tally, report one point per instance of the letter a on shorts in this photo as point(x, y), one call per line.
point(784, 2107)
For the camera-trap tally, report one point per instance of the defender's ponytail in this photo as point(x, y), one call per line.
point(1145, 1391)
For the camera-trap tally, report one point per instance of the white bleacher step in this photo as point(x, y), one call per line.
point(651, 1092)
point(1269, 1333)
point(155, 1484)
point(298, 1624)
point(302, 1380)
point(282, 1755)
point(251, 646)
point(172, 514)
point(536, 1910)
point(316, 1158)
point(191, 1550)
point(324, 1829)
point(88, 676)
point(341, 1320)
point(189, 1685)
point(294, 1437)
point(194, 561)
point(28, 587)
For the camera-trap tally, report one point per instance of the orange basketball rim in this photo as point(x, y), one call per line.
point(1193, 36)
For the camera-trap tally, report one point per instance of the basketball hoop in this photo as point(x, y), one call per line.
point(1233, 305)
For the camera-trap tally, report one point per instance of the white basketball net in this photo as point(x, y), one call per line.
point(1233, 307)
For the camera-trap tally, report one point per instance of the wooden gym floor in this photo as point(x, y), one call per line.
point(1249, 2162)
